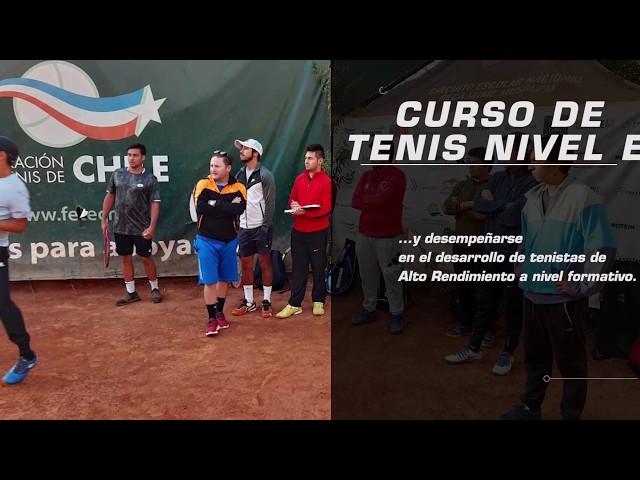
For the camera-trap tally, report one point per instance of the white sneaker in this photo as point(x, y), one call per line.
point(503, 365)
point(464, 355)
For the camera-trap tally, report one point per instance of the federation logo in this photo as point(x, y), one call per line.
point(58, 105)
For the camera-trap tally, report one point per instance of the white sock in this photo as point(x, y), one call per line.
point(131, 286)
point(154, 284)
point(267, 293)
point(248, 293)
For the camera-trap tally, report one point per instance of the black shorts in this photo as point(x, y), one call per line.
point(125, 243)
point(254, 240)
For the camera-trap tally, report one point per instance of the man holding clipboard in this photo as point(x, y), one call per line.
point(310, 203)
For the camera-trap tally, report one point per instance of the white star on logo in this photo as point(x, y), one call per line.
point(147, 110)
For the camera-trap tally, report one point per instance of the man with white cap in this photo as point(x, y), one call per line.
point(256, 225)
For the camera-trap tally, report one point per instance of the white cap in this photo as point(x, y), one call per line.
point(251, 143)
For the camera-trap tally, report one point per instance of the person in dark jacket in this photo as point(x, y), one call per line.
point(502, 202)
point(219, 200)
point(459, 203)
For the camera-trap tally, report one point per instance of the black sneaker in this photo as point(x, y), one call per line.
point(363, 317)
point(397, 325)
point(156, 297)
point(128, 298)
point(266, 309)
point(521, 412)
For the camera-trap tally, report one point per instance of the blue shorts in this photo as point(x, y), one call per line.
point(217, 261)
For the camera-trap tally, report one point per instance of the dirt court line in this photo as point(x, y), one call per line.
point(153, 361)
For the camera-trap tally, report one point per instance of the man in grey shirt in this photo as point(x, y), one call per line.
point(134, 192)
point(14, 213)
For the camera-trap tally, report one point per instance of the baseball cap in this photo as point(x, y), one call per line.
point(9, 147)
point(251, 143)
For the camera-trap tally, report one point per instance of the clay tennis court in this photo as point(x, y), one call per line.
point(382, 376)
point(148, 361)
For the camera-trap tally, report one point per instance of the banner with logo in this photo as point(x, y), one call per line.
point(73, 122)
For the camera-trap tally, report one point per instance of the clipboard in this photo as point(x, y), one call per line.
point(304, 207)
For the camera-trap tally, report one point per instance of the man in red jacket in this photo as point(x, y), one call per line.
point(310, 202)
point(379, 195)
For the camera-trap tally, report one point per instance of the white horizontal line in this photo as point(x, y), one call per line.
point(594, 378)
point(381, 164)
